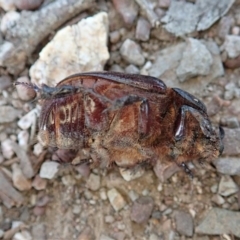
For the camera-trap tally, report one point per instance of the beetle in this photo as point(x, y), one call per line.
point(126, 119)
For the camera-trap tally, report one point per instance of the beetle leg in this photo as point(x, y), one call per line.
point(186, 169)
point(200, 117)
point(191, 99)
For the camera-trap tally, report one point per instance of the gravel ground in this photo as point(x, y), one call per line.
point(194, 45)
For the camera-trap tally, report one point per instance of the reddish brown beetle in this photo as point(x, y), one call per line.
point(126, 119)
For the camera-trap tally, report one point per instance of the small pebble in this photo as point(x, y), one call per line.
point(49, 169)
point(131, 52)
point(109, 219)
point(114, 36)
point(39, 211)
point(27, 120)
point(7, 149)
point(184, 223)
point(128, 174)
point(143, 29)
point(133, 195)
point(116, 199)
point(37, 149)
point(76, 209)
point(23, 138)
point(93, 182)
point(68, 180)
point(39, 183)
point(23, 235)
point(219, 200)
point(164, 3)
point(142, 209)
point(227, 186)
point(8, 114)
point(28, 4)
point(127, 9)
point(19, 180)
point(103, 194)
point(25, 93)
point(132, 69)
point(5, 82)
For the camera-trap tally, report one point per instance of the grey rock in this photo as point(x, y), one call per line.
point(25, 163)
point(231, 142)
point(39, 231)
point(116, 199)
point(132, 69)
point(8, 194)
point(5, 82)
point(232, 46)
point(225, 25)
point(168, 59)
point(143, 29)
point(228, 165)
point(148, 8)
point(185, 17)
point(8, 114)
point(196, 60)
point(219, 200)
point(131, 52)
point(181, 18)
point(184, 223)
point(220, 221)
point(133, 195)
point(93, 182)
point(227, 186)
point(142, 209)
point(230, 122)
point(210, 11)
point(127, 9)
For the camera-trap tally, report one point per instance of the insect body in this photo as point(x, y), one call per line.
point(127, 119)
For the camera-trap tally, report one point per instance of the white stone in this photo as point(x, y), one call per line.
point(23, 235)
point(49, 169)
point(23, 138)
point(116, 199)
point(78, 48)
point(27, 120)
point(7, 149)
